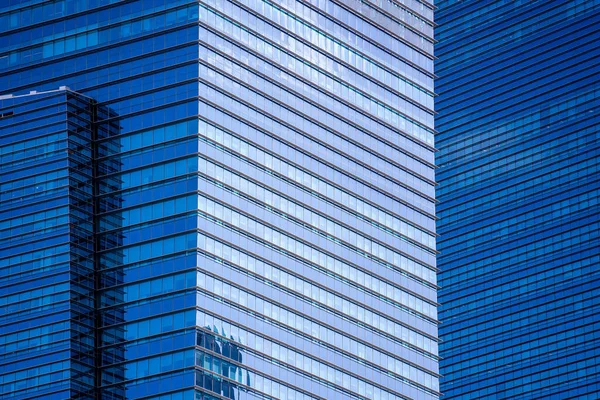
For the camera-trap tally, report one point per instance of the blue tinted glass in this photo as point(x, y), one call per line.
point(518, 190)
point(224, 199)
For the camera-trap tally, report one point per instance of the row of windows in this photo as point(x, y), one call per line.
point(153, 326)
point(536, 344)
point(137, 87)
point(27, 347)
point(525, 119)
point(155, 287)
point(247, 224)
point(261, 106)
point(544, 255)
point(289, 98)
point(80, 191)
point(24, 107)
point(79, 24)
point(37, 291)
point(34, 174)
point(299, 176)
point(420, 37)
point(147, 212)
point(33, 293)
point(418, 202)
point(210, 381)
point(403, 143)
point(545, 274)
point(311, 291)
point(29, 193)
point(188, 394)
point(524, 384)
point(300, 366)
point(525, 127)
point(164, 304)
point(322, 22)
point(155, 365)
point(364, 22)
point(359, 276)
point(34, 333)
point(311, 364)
point(147, 346)
point(148, 193)
point(151, 385)
point(152, 230)
point(11, 160)
point(298, 287)
point(518, 27)
point(28, 213)
point(33, 267)
point(296, 322)
point(98, 37)
point(382, 326)
point(23, 14)
point(150, 249)
point(327, 269)
point(423, 9)
point(167, 264)
point(284, 205)
point(110, 64)
point(486, 113)
point(152, 154)
point(146, 138)
point(559, 239)
point(33, 127)
point(306, 215)
point(23, 248)
point(245, 77)
point(147, 100)
point(326, 262)
point(576, 173)
point(554, 151)
point(318, 40)
point(39, 216)
point(571, 306)
point(538, 220)
point(25, 384)
point(33, 123)
point(159, 116)
point(246, 377)
point(544, 62)
point(158, 172)
point(46, 365)
point(35, 305)
point(400, 122)
point(484, 13)
point(403, 13)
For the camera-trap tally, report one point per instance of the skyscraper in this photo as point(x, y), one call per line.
point(217, 199)
point(519, 95)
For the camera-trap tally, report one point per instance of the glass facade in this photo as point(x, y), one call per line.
point(46, 245)
point(519, 94)
point(248, 192)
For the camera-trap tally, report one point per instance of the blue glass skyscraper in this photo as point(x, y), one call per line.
point(519, 101)
point(217, 199)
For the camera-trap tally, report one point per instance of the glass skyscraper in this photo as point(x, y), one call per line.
point(217, 200)
point(519, 122)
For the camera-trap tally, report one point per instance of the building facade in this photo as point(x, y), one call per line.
point(217, 200)
point(519, 97)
